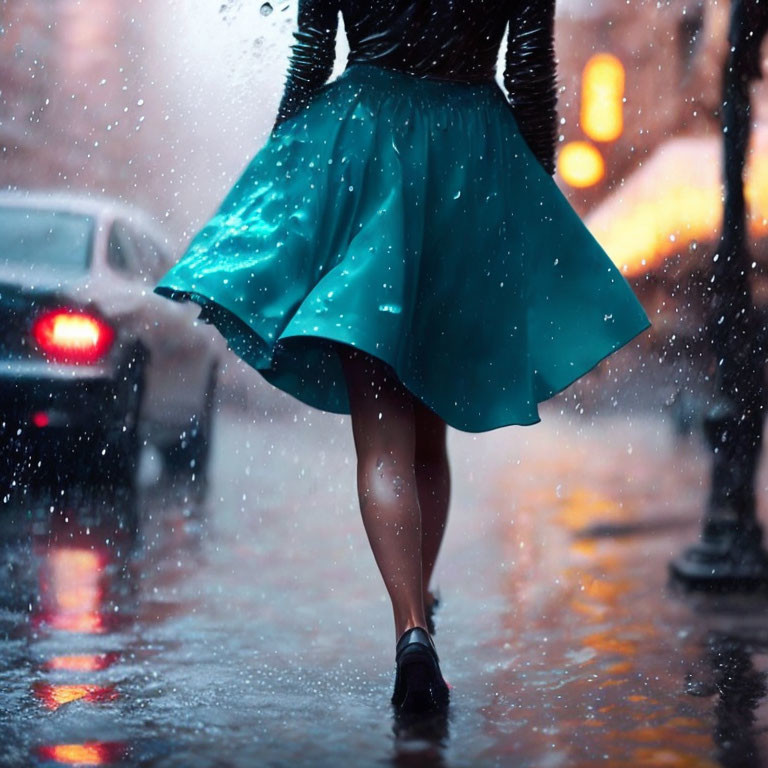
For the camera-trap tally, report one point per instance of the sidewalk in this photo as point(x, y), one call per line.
point(558, 632)
point(256, 630)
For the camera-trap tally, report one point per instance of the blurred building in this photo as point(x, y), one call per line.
point(164, 105)
point(641, 150)
point(71, 98)
point(635, 75)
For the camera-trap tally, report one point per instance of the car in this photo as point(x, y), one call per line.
point(93, 364)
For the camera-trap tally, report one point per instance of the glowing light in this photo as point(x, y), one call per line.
point(602, 91)
point(580, 164)
point(73, 591)
point(89, 753)
point(55, 696)
point(676, 201)
point(74, 337)
point(40, 419)
point(82, 663)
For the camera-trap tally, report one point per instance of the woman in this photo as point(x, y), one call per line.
point(399, 251)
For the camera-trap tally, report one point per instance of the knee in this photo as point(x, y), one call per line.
point(386, 473)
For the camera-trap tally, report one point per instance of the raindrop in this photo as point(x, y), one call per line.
point(266, 9)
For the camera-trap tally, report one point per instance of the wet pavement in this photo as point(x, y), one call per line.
point(253, 629)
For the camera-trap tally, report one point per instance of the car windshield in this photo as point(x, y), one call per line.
point(46, 238)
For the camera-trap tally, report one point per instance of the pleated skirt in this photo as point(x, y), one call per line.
point(408, 218)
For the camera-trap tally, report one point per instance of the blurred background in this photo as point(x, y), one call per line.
point(162, 105)
point(223, 607)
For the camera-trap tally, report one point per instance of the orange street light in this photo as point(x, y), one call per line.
point(580, 164)
point(602, 94)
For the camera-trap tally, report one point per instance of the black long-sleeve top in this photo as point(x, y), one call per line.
point(444, 39)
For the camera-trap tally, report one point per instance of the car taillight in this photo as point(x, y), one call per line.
point(72, 336)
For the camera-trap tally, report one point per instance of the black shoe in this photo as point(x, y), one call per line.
point(429, 612)
point(419, 683)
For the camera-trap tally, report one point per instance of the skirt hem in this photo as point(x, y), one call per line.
point(251, 346)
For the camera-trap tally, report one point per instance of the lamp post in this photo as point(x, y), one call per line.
point(730, 552)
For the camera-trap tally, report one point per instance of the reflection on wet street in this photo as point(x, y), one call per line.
point(152, 629)
point(253, 629)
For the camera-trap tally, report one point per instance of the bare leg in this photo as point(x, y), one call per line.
point(433, 478)
point(383, 428)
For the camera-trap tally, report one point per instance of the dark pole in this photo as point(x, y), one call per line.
point(730, 553)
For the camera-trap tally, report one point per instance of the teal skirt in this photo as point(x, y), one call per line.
point(408, 218)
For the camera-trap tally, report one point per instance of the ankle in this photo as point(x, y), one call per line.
point(409, 623)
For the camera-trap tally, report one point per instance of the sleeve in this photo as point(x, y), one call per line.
point(530, 76)
point(312, 58)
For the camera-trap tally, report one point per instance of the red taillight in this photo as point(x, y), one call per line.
point(72, 337)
